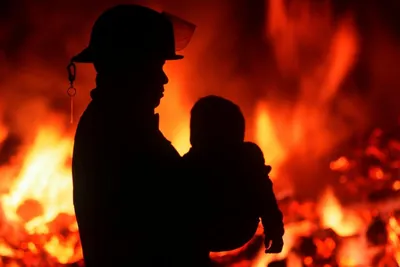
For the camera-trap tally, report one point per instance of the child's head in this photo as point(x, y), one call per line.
point(216, 120)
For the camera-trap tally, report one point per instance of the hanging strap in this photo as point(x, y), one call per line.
point(71, 91)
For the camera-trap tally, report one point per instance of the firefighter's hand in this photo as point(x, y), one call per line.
point(273, 245)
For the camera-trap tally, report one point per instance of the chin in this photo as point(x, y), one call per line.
point(157, 103)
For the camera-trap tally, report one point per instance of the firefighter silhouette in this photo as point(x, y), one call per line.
point(233, 176)
point(125, 195)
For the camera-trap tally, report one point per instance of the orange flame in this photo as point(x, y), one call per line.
point(335, 49)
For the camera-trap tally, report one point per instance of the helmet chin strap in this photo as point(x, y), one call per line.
point(71, 91)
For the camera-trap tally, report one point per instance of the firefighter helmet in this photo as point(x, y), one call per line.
point(133, 32)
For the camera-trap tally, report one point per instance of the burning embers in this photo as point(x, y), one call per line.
point(364, 231)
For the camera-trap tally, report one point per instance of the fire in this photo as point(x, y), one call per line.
point(343, 222)
point(41, 193)
point(267, 139)
point(44, 177)
point(394, 237)
point(176, 107)
point(335, 47)
point(42, 190)
point(341, 164)
point(311, 47)
point(352, 252)
point(292, 231)
point(3, 133)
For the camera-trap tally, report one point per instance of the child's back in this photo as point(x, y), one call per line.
point(229, 172)
point(229, 212)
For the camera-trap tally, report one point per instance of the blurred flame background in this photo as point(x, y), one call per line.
point(320, 71)
point(309, 75)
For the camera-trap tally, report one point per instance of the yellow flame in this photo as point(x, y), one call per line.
point(267, 138)
point(343, 222)
point(44, 177)
point(394, 237)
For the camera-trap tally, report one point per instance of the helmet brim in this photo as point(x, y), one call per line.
point(86, 56)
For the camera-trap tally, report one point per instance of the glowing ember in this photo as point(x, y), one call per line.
point(341, 164)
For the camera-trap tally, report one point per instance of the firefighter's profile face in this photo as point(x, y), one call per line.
point(153, 79)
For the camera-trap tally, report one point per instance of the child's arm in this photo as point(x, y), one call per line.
point(271, 215)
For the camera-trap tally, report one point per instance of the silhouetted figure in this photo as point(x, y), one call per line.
point(231, 178)
point(124, 170)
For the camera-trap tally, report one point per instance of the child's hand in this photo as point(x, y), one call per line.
point(273, 245)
